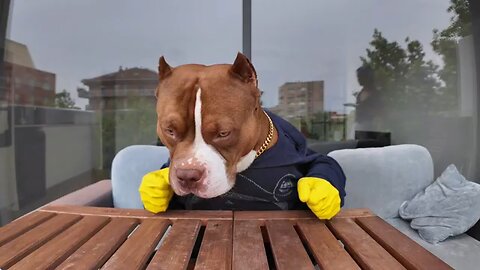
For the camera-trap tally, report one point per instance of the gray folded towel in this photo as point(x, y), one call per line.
point(448, 207)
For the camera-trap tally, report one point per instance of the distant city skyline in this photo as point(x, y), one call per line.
point(319, 41)
point(300, 99)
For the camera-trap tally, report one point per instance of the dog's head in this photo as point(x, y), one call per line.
point(208, 117)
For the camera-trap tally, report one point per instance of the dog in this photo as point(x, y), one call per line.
point(228, 153)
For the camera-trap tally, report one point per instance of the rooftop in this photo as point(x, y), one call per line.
point(125, 74)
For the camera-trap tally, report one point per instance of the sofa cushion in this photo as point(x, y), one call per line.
point(383, 178)
point(128, 168)
point(460, 252)
point(448, 207)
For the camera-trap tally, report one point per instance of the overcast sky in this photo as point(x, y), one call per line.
point(292, 40)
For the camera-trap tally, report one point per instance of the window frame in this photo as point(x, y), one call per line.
point(475, 15)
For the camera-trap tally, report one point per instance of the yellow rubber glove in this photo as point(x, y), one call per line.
point(155, 191)
point(320, 196)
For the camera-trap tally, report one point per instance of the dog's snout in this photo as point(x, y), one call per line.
point(189, 175)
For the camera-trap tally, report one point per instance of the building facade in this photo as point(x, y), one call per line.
point(300, 99)
point(119, 90)
point(23, 83)
point(125, 102)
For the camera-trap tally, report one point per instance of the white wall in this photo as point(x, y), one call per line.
point(70, 151)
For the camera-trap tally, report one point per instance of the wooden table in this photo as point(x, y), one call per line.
point(74, 237)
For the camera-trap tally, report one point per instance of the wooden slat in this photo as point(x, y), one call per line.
point(43, 239)
point(21, 225)
point(138, 213)
point(216, 249)
point(96, 251)
point(287, 248)
point(138, 248)
point(405, 250)
point(176, 249)
point(56, 250)
point(262, 216)
point(297, 214)
point(15, 250)
point(326, 249)
point(366, 252)
point(354, 213)
point(248, 246)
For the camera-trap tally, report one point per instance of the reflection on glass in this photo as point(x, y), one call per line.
point(412, 81)
point(28, 84)
point(302, 104)
point(75, 91)
point(418, 100)
point(125, 102)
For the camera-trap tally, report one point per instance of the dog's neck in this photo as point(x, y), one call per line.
point(264, 130)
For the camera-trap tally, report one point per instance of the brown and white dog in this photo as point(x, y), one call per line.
point(210, 119)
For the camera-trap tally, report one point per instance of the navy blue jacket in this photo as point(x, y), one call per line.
point(270, 183)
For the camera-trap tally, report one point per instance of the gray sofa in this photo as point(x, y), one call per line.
point(382, 178)
point(377, 178)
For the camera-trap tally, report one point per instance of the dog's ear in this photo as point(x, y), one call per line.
point(243, 68)
point(164, 68)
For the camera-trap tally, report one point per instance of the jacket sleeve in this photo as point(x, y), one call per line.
point(327, 168)
point(166, 164)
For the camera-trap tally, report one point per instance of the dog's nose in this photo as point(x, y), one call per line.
point(189, 175)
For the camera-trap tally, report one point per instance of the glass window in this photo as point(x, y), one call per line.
point(384, 72)
point(96, 70)
point(76, 91)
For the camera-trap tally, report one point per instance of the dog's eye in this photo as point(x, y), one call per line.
point(223, 134)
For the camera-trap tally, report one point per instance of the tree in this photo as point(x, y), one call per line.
point(445, 44)
point(402, 75)
point(64, 100)
point(138, 123)
point(406, 79)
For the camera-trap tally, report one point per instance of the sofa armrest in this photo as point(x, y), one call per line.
point(97, 194)
point(475, 231)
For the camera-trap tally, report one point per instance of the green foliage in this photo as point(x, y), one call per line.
point(461, 22)
point(64, 100)
point(403, 76)
point(445, 44)
point(133, 125)
point(323, 127)
point(137, 124)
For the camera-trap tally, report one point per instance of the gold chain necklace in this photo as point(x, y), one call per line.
point(268, 139)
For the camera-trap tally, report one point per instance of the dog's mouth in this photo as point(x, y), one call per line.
point(182, 187)
point(204, 188)
point(203, 173)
